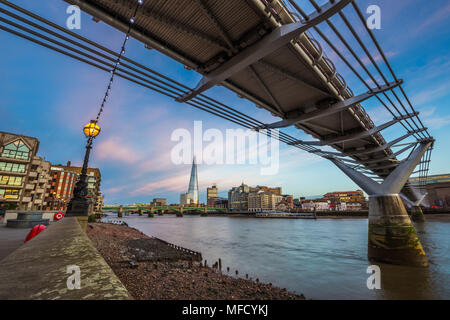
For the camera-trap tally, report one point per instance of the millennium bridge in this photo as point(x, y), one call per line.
point(276, 55)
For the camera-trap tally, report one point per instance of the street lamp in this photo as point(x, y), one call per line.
point(79, 205)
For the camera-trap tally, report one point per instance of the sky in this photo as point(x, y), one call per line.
point(50, 96)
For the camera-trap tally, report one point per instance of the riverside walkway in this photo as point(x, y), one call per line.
point(10, 239)
point(39, 268)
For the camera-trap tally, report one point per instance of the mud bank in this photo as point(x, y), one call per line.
point(153, 269)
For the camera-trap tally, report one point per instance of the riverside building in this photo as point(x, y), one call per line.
point(94, 178)
point(60, 189)
point(24, 176)
point(238, 198)
point(345, 196)
point(261, 200)
point(159, 202)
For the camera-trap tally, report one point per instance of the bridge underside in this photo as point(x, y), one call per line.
point(262, 52)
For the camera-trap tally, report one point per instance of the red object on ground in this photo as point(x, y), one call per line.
point(35, 231)
point(58, 216)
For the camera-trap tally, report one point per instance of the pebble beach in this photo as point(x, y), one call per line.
point(151, 269)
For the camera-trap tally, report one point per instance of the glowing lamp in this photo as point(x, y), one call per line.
point(91, 129)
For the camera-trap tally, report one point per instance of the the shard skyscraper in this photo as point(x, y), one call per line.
point(193, 183)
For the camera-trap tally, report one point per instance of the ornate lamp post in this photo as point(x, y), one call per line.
point(79, 205)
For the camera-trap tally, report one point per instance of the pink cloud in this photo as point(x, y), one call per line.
point(174, 183)
point(115, 149)
point(377, 58)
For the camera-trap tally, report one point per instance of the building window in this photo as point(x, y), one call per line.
point(9, 194)
point(11, 181)
point(16, 150)
point(12, 167)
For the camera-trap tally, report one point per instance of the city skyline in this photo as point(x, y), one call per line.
point(133, 150)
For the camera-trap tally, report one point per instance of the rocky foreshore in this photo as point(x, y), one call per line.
point(152, 269)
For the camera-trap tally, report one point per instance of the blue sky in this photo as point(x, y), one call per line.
point(50, 96)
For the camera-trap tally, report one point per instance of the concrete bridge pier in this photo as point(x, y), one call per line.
point(391, 235)
point(417, 214)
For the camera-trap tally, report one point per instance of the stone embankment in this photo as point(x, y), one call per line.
point(151, 268)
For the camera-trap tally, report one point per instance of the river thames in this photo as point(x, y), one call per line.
point(323, 259)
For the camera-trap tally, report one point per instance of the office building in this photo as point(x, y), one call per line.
point(191, 197)
point(238, 198)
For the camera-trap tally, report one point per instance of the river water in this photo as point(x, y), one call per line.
point(323, 259)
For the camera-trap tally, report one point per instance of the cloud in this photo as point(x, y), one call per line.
point(379, 114)
point(173, 183)
point(116, 149)
point(432, 93)
point(424, 113)
point(440, 15)
point(437, 122)
point(433, 121)
point(377, 58)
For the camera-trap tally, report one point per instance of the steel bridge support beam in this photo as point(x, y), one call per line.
point(416, 210)
point(332, 109)
point(417, 214)
point(358, 135)
point(392, 237)
point(270, 43)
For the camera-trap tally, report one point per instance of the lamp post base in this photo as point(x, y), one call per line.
point(78, 207)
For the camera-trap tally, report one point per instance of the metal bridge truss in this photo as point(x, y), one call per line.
point(356, 163)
